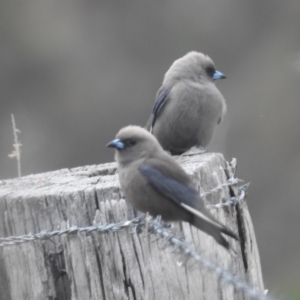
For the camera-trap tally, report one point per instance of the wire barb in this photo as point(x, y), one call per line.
point(230, 182)
point(233, 200)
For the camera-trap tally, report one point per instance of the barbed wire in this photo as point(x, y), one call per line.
point(154, 227)
point(230, 182)
point(44, 235)
point(233, 200)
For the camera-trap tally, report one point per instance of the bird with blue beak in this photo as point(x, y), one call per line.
point(154, 182)
point(188, 105)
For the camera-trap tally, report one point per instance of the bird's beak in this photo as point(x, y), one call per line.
point(116, 143)
point(218, 75)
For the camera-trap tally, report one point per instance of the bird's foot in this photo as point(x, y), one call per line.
point(194, 151)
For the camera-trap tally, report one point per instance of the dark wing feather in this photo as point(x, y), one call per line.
point(159, 103)
point(169, 187)
point(187, 198)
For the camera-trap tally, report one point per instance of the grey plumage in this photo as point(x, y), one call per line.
point(154, 182)
point(188, 105)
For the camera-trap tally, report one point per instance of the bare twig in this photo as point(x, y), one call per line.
point(16, 153)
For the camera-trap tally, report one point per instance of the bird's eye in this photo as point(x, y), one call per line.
point(132, 142)
point(210, 71)
point(129, 142)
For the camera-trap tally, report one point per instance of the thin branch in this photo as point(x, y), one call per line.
point(16, 153)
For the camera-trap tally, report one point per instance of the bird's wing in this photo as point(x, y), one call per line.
point(159, 103)
point(179, 193)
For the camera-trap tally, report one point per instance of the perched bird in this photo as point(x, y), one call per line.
point(188, 105)
point(154, 182)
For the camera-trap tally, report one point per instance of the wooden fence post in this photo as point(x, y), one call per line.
point(111, 265)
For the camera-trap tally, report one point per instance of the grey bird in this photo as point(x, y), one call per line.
point(188, 105)
point(154, 182)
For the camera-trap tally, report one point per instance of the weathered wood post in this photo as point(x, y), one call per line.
point(111, 265)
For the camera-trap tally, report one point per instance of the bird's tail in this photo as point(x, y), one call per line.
point(203, 220)
point(229, 233)
point(215, 230)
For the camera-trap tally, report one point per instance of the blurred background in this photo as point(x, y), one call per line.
point(74, 72)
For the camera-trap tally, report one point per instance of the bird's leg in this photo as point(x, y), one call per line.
point(194, 151)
